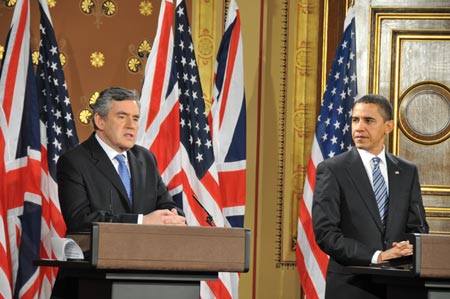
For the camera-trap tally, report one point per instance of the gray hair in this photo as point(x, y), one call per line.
point(383, 104)
point(103, 103)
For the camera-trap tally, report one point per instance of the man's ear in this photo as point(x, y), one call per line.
point(99, 121)
point(389, 126)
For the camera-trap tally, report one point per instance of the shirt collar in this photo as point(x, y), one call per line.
point(367, 157)
point(110, 152)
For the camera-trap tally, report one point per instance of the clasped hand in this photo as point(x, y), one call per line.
point(162, 217)
point(399, 249)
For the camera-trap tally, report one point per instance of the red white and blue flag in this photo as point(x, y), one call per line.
point(332, 137)
point(174, 126)
point(228, 120)
point(30, 206)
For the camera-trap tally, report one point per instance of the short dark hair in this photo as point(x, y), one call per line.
point(383, 104)
point(103, 103)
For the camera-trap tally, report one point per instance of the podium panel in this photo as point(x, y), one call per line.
point(425, 275)
point(131, 261)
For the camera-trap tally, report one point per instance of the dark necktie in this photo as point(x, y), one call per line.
point(380, 190)
point(124, 175)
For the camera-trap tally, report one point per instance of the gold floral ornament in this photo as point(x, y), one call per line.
point(145, 8)
point(35, 57)
point(109, 8)
point(93, 99)
point(62, 58)
point(2, 50)
point(10, 3)
point(87, 6)
point(143, 51)
point(97, 59)
point(85, 116)
point(134, 65)
point(51, 3)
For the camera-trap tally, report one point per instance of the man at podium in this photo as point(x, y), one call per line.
point(108, 178)
point(364, 201)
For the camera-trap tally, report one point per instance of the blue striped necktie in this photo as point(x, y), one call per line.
point(124, 175)
point(380, 190)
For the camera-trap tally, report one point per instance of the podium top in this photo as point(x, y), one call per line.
point(169, 248)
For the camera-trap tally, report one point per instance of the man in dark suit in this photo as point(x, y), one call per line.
point(89, 185)
point(357, 222)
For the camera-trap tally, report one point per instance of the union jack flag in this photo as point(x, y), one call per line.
point(332, 137)
point(29, 192)
point(228, 120)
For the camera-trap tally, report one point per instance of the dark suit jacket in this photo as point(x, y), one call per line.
point(347, 223)
point(90, 189)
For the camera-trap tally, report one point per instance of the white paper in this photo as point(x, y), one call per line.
point(65, 248)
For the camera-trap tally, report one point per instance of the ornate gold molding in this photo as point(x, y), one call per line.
point(205, 37)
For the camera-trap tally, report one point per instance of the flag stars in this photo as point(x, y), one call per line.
point(68, 117)
point(54, 66)
point(54, 50)
point(180, 28)
point(341, 60)
point(345, 129)
point(183, 60)
point(331, 154)
point(199, 157)
point(57, 144)
point(193, 79)
point(180, 11)
point(327, 122)
point(340, 110)
point(334, 140)
point(42, 28)
point(69, 133)
point(192, 63)
point(337, 75)
point(198, 142)
point(181, 45)
point(324, 137)
point(330, 107)
point(208, 143)
point(337, 125)
point(58, 114)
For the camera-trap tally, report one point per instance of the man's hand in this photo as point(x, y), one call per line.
point(399, 249)
point(163, 217)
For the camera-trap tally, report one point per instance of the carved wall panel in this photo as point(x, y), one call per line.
point(409, 63)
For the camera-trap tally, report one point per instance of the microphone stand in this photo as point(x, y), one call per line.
point(209, 218)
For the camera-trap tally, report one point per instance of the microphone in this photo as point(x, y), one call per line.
point(209, 218)
point(422, 228)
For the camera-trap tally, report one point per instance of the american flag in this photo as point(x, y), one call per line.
point(29, 193)
point(58, 134)
point(332, 137)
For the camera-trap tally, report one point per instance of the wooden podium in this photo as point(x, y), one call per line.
point(145, 261)
point(424, 275)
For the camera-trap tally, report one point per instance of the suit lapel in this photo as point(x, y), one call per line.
point(357, 173)
point(104, 165)
point(137, 179)
point(394, 174)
